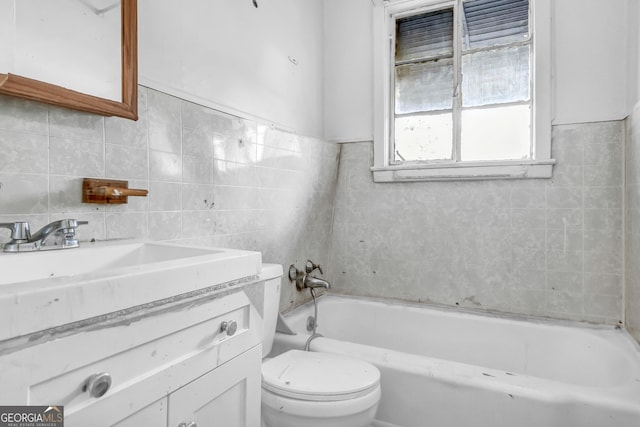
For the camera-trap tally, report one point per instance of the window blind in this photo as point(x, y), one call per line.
point(495, 22)
point(424, 36)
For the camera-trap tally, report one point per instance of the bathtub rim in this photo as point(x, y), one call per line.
point(622, 397)
point(587, 391)
point(493, 314)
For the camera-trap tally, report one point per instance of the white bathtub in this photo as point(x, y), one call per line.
point(447, 368)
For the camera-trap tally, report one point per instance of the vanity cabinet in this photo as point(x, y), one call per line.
point(227, 396)
point(194, 360)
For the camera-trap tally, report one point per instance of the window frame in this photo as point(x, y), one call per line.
point(541, 166)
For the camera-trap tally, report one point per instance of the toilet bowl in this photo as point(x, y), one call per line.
point(312, 389)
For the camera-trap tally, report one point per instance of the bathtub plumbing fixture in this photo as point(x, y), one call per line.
point(304, 280)
point(312, 321)
point(310, 266)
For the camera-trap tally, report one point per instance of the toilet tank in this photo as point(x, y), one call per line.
point(272, 275)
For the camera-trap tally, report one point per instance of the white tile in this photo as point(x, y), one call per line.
point(165, 166)
point(126, 225)
point(164, 122)
point(126, 163)
point(24, 194)
point(197, 170)
point(22, 115)
point(70, 124)
point(23, 152)
point(165, 196)
point(76, 157)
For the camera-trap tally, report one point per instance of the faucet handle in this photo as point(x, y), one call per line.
point(71, 223)
point(310, 266)
point(19, 230)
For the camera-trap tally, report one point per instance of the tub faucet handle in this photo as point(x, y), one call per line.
point(310, 266)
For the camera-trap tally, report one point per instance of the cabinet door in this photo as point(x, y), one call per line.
point(228, 396)
point(154, 415)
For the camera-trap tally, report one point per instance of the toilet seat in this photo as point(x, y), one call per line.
point(313, 376)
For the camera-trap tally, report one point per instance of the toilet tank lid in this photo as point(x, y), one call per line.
point(271, 271)
point(319, 376)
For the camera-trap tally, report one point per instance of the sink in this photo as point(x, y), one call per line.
point(30, 266)
point(46, 289)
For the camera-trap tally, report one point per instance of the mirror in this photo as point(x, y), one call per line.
point(45, 89)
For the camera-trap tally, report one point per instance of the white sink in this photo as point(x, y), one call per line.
point(45, 289)
point(28, 266)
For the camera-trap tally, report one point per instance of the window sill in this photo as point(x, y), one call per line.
point(465, 171)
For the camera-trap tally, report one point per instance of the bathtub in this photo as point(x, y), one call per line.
point(452, 368)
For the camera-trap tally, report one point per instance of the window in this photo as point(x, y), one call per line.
point(462, 90)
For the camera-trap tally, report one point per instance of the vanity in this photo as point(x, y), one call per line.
point(134, 334)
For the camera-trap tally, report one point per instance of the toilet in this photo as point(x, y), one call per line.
point(312, 389)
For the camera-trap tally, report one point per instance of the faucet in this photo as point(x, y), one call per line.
point(59, 234)
point(20, 234)
point(304, 280)
point(314, 282)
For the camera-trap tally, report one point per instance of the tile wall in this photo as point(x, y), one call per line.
point(541, 247)
point(632, 224)
point(213, 179)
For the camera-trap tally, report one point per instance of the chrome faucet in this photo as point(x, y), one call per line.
point(314, 282)
point(59, 234)
point(304, 280)
point(20, 234)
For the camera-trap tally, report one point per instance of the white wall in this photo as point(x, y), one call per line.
point(632, 182)
point(632, 224)
point(348, 70)
point(633, 49)
point(592, 62)
point(264, 63)
point(7, 35)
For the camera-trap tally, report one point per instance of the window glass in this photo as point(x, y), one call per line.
point(496, 76)
point(496, 133)
point(463, 81)
point(494, 69)
point(425, 86)
point(423, 137)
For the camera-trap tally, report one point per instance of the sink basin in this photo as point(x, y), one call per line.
point(30, 266)
point(46, 289)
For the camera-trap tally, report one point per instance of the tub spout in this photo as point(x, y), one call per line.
point(314, 282)
point(305, 280)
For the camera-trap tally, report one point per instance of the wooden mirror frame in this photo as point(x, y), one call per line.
point(36, 90)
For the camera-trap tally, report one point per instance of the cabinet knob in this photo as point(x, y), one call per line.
point(230, 327)
point(191, 424)
point(98, 384)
